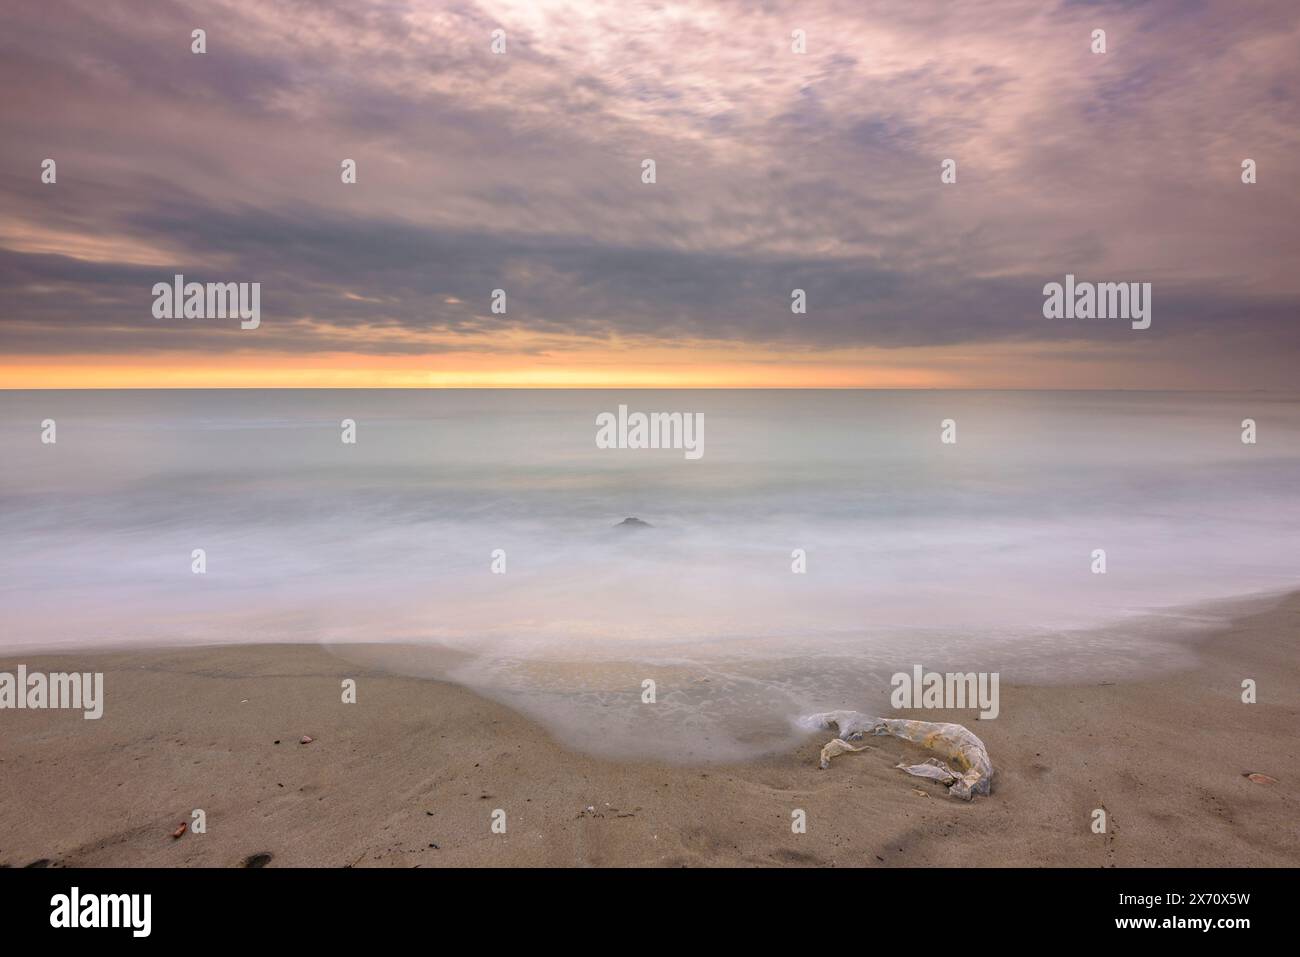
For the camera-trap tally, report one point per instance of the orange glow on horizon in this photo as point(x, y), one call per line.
point(653, 365)
point(74, 374)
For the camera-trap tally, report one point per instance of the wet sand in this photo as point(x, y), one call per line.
point(411, 774)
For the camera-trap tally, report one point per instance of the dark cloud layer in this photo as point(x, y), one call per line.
point(775, 171)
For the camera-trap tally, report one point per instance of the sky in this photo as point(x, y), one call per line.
point(775, 170)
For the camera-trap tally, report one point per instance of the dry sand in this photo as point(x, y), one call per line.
point(420, 763)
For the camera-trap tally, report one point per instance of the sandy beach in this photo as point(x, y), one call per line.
point(411, 775)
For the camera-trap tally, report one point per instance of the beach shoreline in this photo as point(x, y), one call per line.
point(415, 771)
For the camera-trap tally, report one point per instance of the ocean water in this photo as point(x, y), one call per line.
point(970, 556)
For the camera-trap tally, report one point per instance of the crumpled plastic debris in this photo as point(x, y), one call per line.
point(834, 748)
point(973, 772)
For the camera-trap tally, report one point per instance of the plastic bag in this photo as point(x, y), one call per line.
point(973, 771)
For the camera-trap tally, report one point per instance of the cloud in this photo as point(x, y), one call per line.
point(775, 171)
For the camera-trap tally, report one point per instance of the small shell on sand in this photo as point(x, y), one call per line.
point(1259, 778)
point(306, 740)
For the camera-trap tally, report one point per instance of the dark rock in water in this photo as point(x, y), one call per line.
point(633, 523)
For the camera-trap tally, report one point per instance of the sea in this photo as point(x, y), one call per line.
point(821, 542)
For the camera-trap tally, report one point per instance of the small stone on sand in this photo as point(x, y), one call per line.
point(1259, 778)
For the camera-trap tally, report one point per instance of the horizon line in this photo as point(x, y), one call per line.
point(614, 388)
